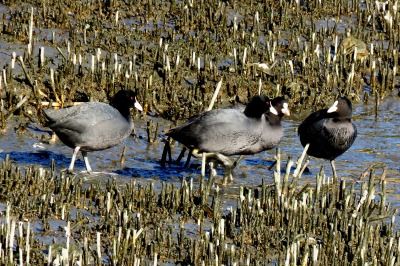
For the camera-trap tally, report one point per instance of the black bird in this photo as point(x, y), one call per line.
point(330, 132)
point(93, 126)
point(233, 131)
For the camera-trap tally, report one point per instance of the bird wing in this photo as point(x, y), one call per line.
point(81, 117)
point(90, 125)
point(225, 131)
point(311, 126)
point(343, 136)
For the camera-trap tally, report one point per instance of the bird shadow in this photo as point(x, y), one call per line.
point(152, 169)
point(271, 165)
point(146, 169)
point(258, 162)
point(42, 158)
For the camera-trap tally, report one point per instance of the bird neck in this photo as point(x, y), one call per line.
point(272, 119)
point(122, 108)
point(251, 113)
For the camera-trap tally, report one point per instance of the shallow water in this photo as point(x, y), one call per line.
point(378, 141)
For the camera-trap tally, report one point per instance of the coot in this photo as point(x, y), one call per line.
point(93, 126)
point(224, 132)
point(329, 132)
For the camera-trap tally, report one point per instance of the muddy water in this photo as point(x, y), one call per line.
point(378, 141)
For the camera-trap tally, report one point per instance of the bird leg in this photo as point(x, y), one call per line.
point(228, 175)
point(71, 165)
point(85, 158)
point(178, 160)
point(272, 165)
point(237, 161)
point(202, 155)
point(166, 152)
point(334, 171)
point(188, 159)
point(225, 160)
point(229, 165)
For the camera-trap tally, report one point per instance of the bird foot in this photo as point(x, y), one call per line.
point(93, 173)
point(228, 178)
point(68, 171)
